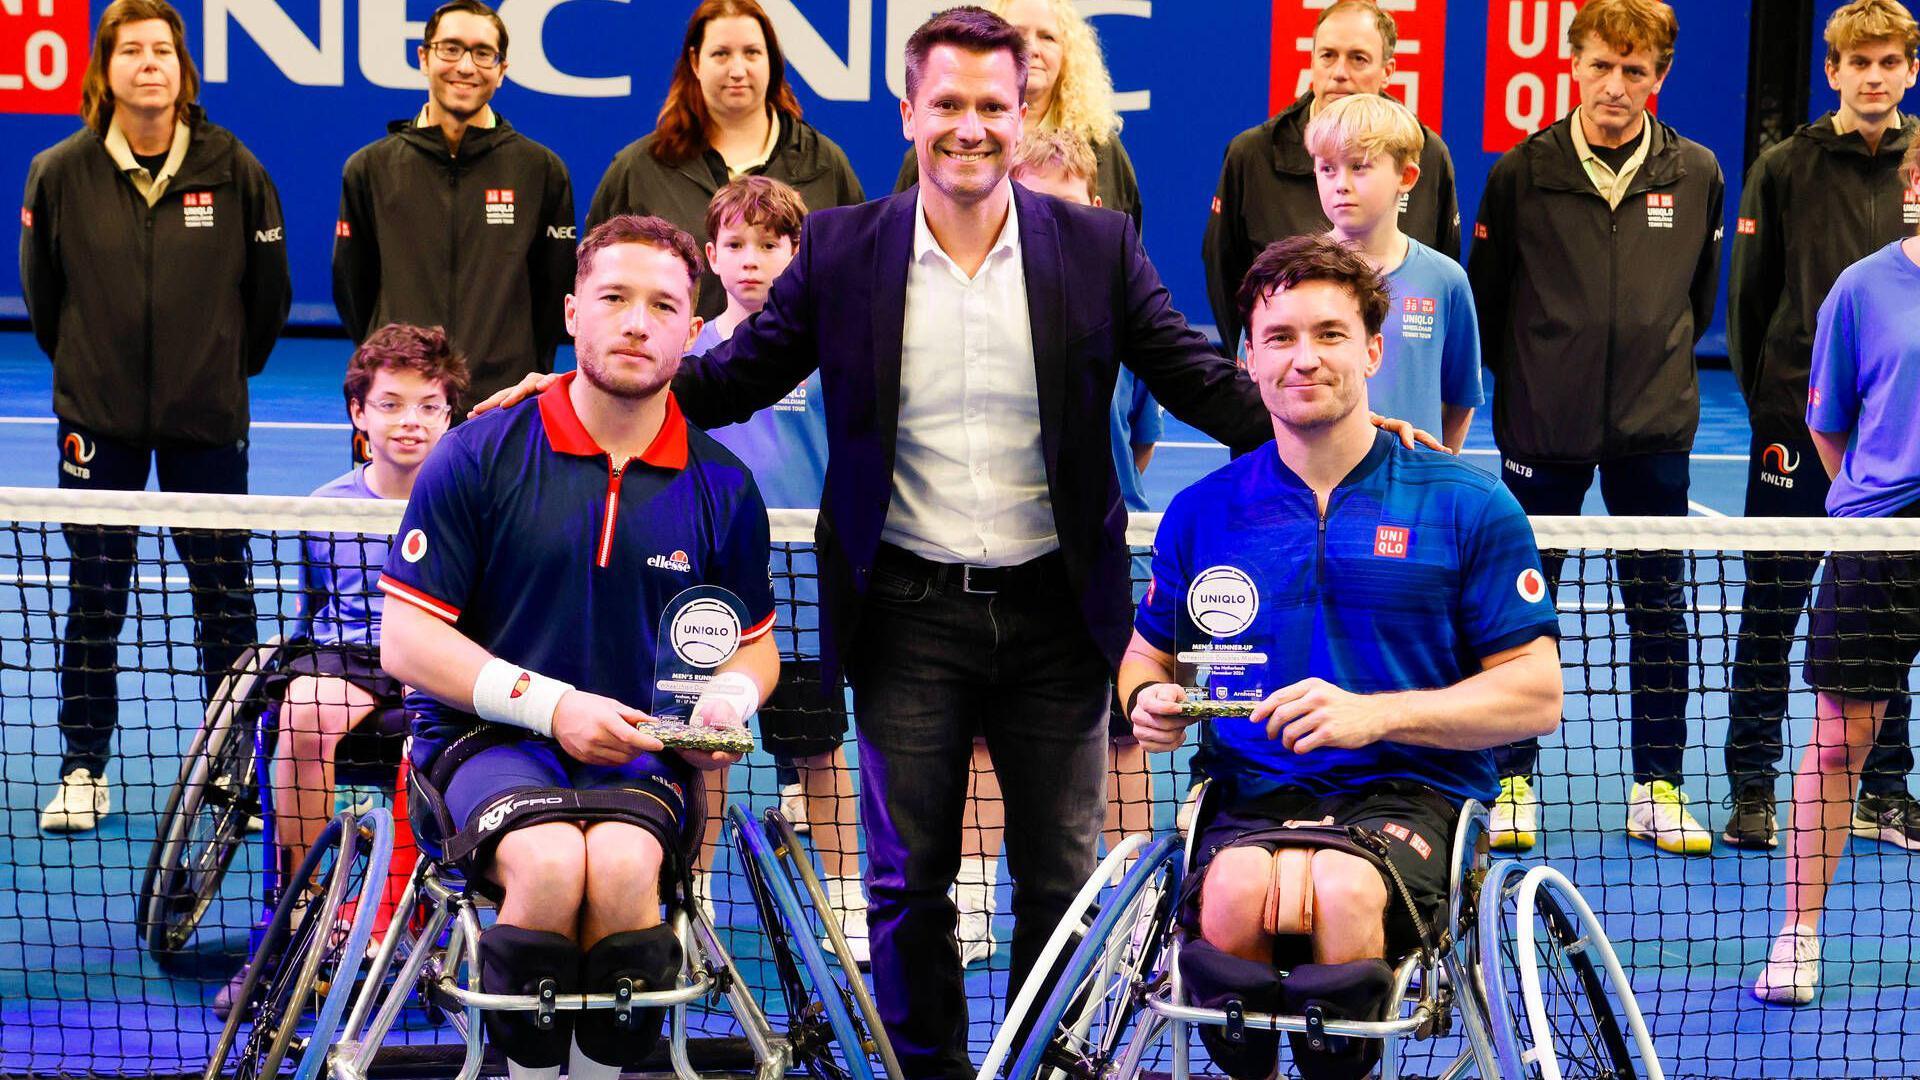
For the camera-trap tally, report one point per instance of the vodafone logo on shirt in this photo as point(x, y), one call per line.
point(414, 547)
point(1531, 585)
point(43, 54)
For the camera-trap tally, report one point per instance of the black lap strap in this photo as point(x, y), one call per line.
point(656, 806)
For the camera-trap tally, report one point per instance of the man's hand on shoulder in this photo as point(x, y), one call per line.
point(1313, 713)
point(1157, 722)
point(599, 730)
point(1410, 437)
point(530, 384)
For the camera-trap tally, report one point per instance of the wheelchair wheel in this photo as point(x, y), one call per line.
point(1098, 991)
point(823, 1013)
point(1558, 1000)
point(205, 820)
point(310, 968)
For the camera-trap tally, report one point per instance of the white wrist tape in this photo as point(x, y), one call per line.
point(507, 693)
point(735, 688)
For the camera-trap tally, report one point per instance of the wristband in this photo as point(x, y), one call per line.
point(507, 693)
point(1134, 698)
point(735, 688)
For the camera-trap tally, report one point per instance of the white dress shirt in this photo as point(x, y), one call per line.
point(969, 477)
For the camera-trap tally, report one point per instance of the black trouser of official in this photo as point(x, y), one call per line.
point(1785, 479)
point(1652, 485)
point(220, 581)
point(934, 664)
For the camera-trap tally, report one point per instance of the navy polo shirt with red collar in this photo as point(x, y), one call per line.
point(534, 543)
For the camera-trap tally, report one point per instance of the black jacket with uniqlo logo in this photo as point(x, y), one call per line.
point(1589, 313)
point(480, 243)
point(155, 316)
point(1814, 204)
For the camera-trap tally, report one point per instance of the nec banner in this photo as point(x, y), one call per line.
point(304, 83)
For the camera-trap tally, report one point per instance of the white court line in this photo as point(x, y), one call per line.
point(1173, 445)
point(270, 425)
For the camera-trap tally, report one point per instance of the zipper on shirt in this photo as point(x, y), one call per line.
point(1320, 542)
point(152, 211)
point(603, 551)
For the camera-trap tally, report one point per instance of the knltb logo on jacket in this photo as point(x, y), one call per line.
point(499, 206)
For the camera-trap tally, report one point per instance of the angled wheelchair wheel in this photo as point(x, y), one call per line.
point(833, 1031)
point(205, 820)
point(308, 962)
point(1558, 1001)
point(1099, 987)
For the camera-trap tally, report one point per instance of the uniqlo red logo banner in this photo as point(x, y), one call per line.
point(1390, 541)
point(1529, 69)
point(1419, 59)
point(43, 53)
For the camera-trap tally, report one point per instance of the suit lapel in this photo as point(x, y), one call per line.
point(894, 250)
point(1041, 259)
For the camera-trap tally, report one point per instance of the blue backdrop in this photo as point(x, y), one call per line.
point(305, 82)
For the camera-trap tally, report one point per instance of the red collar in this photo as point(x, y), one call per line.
point(567, 435)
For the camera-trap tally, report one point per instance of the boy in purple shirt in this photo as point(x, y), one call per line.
point(1865, 629)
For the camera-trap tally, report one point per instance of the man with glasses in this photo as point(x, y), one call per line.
point(458, 174)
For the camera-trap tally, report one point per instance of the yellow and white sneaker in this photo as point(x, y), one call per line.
point(1513, 822)
point(1658, 812)
point(82, 800)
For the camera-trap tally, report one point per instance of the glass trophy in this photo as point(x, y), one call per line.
point(1222, 605)
point(699, 631)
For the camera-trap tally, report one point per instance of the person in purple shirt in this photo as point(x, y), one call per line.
point(402, 385)
point(1865, 629)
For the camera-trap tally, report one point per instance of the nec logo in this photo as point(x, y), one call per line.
point(560, 232)
point(269, 236)
point(43, 53)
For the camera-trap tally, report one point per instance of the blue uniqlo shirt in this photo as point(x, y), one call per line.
point(1431, 341)
point(340, 573)
point(524, 534)
point(785, 447)
point(1866, 380)
point(1424, 565)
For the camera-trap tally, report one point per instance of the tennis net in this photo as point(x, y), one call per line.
point(1652, 613)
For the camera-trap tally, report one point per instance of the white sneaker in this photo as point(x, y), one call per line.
point(975, 931)
point(1513, 822)
point(79, 804)
point(1793, 968)
point(853, 927)
point(793, 807)
point(1658, 812)
point(703, 895)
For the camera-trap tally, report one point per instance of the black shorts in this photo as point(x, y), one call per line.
point(1417, 822)
point(1865, 627)
point(801, 718)
point(375, 742)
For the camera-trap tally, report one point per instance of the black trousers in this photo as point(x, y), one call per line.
point(219, 575)
point(1650, 587)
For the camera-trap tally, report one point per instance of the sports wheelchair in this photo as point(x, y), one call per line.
point(1521, 979)
point(329, 996)
point(220, 795)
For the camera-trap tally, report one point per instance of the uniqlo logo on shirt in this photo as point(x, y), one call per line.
point(1417, 318)
point(1910, 207)
point(1659, 210)
point(1479, 231)
point(499, 206)
point(1390, 541)
point(1746, 226)
point(343, 230)
point(198, 207)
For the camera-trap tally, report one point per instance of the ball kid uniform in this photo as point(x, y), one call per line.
point(1421, 565)
point(534, 543)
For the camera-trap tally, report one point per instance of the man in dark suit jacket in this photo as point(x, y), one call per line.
point(971, 536)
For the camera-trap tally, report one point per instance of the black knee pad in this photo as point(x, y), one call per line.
point(515, 960)
point(1220, 980)
point(650, 960)
point(1355, 991)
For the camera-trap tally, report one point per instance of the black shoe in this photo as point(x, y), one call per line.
point(1892, 818)
point(1752, 824)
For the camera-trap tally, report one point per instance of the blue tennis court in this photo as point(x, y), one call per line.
point(77, 995)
